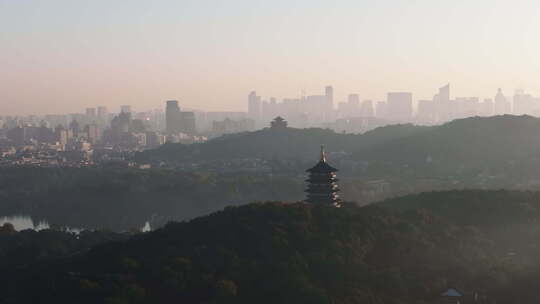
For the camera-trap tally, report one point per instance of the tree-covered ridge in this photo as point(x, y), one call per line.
point(400, 251)
point(298, 144)
point(494, 138)
point(22, 248)
point(476, 140)
point(477, 152)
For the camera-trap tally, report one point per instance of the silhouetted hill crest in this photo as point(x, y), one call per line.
point(404, 250)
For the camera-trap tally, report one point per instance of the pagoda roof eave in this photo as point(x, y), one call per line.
point(322, 167)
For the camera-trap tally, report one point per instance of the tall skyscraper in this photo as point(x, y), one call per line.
point(501, 105)
point(444, 93)
point(399, 106)
point(172, 117)
point(443, 106)
point(329, 93)
point(254, 106)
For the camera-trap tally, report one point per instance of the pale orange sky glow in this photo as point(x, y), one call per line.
point(63, 56)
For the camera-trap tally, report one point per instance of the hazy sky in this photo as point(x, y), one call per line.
point(65, 55)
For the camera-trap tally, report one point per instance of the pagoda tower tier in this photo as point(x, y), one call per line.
point(322, 183)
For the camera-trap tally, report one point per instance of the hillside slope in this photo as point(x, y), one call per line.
point(299, 144)
point(401, 251)
point(470, 141)
point(497, 138)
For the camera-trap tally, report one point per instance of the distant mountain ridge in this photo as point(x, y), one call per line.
point(494, 139)
point(468, 140)
point(290, 143)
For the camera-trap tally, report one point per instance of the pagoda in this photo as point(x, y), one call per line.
point(322, 183)
point(278, 123)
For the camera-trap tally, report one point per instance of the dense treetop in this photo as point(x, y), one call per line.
point(399, 251)
point(290, 143)
point(494, 138)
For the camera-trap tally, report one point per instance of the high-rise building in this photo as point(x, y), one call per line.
point(124, 122)
point(353, 99)
point(443, 106)
point(466, 107)
point(367, 110)
point(125, 109)
point(120, 124)
point(444, 93)
point(61, 135)
point(486, 107)
point(399, 106)
point(352, 107)
point(523, 103)
point(92, 133)
point(501, 105)
point(322, 183)
point(254, 106)
point(74, 127)
point(426, 112)
point(380, 110)
point(102, 112)
point(91, 113)
point(187, 123)
point(329, 93)
point(172, 117)
point(154, 140)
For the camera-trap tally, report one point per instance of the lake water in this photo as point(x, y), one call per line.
point(26, 222)
point(23, 223)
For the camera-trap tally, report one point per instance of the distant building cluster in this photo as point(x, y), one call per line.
point(95, 136)
point(442, 108)
point(356, 116)
point(98, 135)
point(301, 112)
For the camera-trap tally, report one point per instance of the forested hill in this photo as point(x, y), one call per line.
point(299, 144)
point(495, 139)
point(468, 141)
point(405, 250)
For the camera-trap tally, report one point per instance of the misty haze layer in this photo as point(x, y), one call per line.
point(209, 53)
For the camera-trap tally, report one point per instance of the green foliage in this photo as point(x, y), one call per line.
point(26, 247)
point(404, 250)
point(299, 144)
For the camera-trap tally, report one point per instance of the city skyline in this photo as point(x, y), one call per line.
point(208, 54)
point(344, 97)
